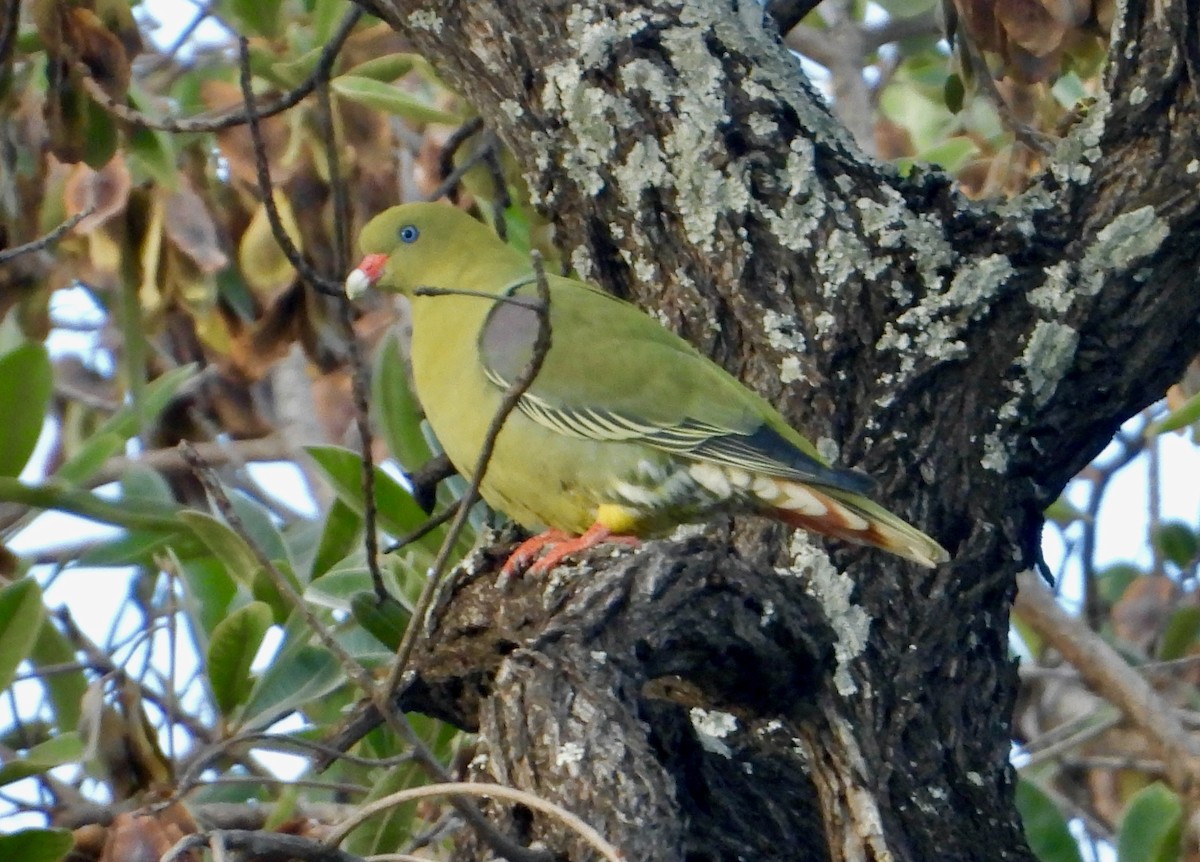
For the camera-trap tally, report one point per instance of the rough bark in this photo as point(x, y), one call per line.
point(970, 356)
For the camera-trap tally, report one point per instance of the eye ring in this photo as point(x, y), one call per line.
point(409, 233)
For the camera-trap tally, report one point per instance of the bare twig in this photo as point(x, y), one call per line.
point(508, 403)
point(381, 696)
point(228, 120)
point(46, 239)
point(1101, 475)
point(425, 529)
point(501, 202)
point(446, 158)
point(358, 370)
point(1039, 142)
point(295, 258)
point(1110, 677)
point(263, 846)
point(204, 473)
point(236, 452)
point(495, 791)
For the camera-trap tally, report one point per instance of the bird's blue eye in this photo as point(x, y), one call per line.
point(409, 233)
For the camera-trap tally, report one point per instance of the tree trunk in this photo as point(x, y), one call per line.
point(750, 694)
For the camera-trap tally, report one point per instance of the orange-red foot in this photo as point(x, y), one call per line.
point(526, 552)
point(561, 545)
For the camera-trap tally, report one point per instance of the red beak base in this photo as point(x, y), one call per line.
point(365, 274)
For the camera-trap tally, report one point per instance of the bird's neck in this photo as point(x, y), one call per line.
point(491, 274)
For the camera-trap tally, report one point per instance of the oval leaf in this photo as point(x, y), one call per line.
point(397, 511)
point(1184, 415)
point(26, 381)
point(291, 680)
point(389, 99)
point(36, 845)
point(399, 412)
point(65, 748)
point(1151, 826)
point(228, 547)
point(21, 616)
point(1049, 837)
point(231, 651)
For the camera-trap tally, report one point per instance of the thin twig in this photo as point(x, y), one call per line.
point(450, 183)
point(522, 301)
point(204, 473)
point(502, 201)
point(495, 791)
point(446, 158)
point(319, 282)
point(508, 403)
point(46, 239)
point(264, 846)
point(425, 529)
point(1109, 676)
point(1038, 141)
point(358, 369)
point(1102, 474)
point(228, 120)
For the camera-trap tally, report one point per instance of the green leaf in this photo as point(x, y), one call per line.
point(1046, 829)
point(213, 589)
point(1114, 580)
point(36, 845)
point(397, 512)
point(335, 589)
point(101, 138)
point(389, 67)
point(390, 99)
point(259, 527)
point(64, 748)
point(231, 651)
point(396, 406)
point(1180, 633)
point(339, 537)
point(264, 588)
point(951, 154)
point(152, 156)
point(293, 678)
point(131, 548)
point(1182, 416)
point(385, 620)
point(391, 828)
point(26, 382)
point(64, 689)
point(953, 93)
point(1063, 513)
point(292, 73)
point(261, 17)
point(238, 558)
point(906, 8)
point(1150, 827)
point(21, 615)
point(109, 439)
point(1177, 542)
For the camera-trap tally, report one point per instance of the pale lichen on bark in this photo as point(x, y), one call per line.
point(833, 589)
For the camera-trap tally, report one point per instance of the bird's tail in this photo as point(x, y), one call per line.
point(850, 516)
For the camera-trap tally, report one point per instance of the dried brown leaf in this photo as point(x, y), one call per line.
point(191, 228)
point(107, 190)
point(235, 143)
point(97, 47)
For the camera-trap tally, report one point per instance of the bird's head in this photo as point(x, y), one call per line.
point(416, 245)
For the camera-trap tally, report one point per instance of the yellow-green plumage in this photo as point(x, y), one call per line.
point(626, 425)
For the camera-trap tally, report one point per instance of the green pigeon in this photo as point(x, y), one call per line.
point(626, 431)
